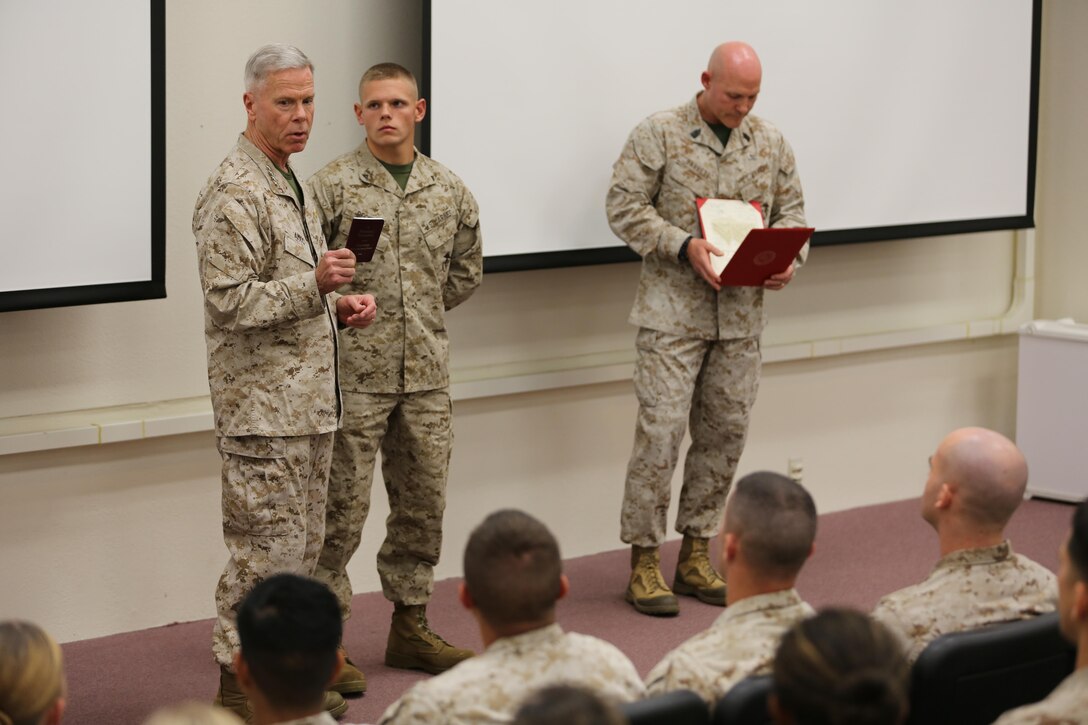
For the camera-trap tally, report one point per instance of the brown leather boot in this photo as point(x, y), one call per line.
point(334, 703)
point(695, 575)
point(647, 590)
point(412, 645)
point(230, 696)
point(351, 681)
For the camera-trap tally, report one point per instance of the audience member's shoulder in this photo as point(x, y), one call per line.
point(1033, 566)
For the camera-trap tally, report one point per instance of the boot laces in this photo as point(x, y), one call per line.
point(425, 627)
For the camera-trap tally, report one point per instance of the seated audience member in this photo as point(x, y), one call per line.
point(32, 685)
point(513, 579)
point(1069, 701)
point(840, 667)
point(569, 705)
point(289, 630)
point(770, 524)
point(192, 713)
point(976, 482)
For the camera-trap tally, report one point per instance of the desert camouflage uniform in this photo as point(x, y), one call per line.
point(698, 350)
point(395, 373)
point(272, 373)
point(1066, 705)
point(741, 643)
point(968, 589)
point(490, 687)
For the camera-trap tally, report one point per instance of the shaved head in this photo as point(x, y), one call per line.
point(731, 84)
point(734, 57)
point(986, 471)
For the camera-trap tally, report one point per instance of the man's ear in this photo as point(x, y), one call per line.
point(421, 109)
point(464, 597)
point(241, 672)
point(730, 547)
point(945, 495)
point(337, 668)
point(564, 586)
point(1080, 601)
point(249, 100)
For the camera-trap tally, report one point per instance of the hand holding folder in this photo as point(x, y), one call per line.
point(750, 253)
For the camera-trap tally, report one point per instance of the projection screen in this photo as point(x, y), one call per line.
point(907, 119)
point(83, 199)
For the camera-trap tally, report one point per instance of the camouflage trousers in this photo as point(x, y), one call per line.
point(273, 518)
point(709, 385)
point(415, 436)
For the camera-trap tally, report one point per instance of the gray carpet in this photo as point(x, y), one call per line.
point(860, 555)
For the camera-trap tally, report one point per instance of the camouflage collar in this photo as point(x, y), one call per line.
point(528, 641)
point(273, 176)
point(373, 173)
point(701, 132)
point(975, 557)
point(760, 603)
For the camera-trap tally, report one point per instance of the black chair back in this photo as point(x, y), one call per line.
point(679, 707)
point(973, 677)
point(745, 703)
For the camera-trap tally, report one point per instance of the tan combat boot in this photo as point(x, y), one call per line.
point(647, 590)
point(695, 575)
point(230, 696)
point(412, 645)
point(351, 680)
point(334, 703)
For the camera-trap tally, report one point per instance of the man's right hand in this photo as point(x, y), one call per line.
point(337, 267)
point(699, 251)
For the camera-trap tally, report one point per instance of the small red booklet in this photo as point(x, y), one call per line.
point(363, 237)
point(750, 253)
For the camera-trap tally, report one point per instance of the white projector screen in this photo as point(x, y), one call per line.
point(83, 201)
point(907, 119)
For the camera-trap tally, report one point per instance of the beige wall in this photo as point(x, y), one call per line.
point(99, 539)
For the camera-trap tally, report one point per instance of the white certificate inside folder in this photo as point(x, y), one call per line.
point(725, 224)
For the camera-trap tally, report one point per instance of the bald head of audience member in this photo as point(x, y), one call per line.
point(513, 575)
point(770, 527)
point(977, 479)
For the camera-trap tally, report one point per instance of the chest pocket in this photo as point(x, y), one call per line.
point(438, 231)
point(296, 245)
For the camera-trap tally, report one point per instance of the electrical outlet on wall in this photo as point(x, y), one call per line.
point(795, 468)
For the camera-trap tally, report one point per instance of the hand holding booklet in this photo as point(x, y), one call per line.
point(750, 252)
point(363, 237)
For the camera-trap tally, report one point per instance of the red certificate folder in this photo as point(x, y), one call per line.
point(363, 237)
point(763, 253)
point(751, 253)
